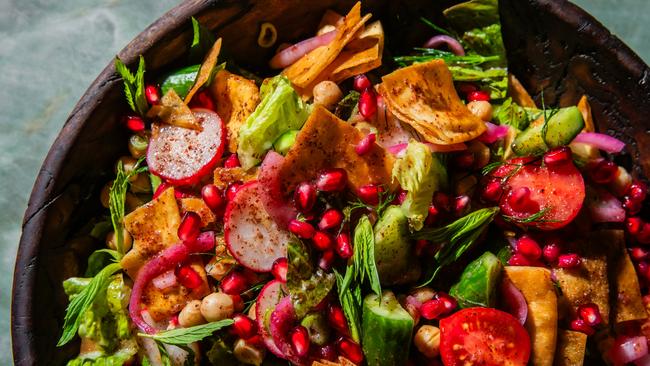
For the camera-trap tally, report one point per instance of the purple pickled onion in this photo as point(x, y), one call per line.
point(452, 43)
point(293, 53)
point(513, 301)
point(629, 349)
point(604, 207)
point(601, 141)
point(493, 133)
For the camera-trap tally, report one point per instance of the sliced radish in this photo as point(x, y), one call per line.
point(267, 300)
point(254, 239)
point(283, 319)
point(274, 200)
point(182, 156)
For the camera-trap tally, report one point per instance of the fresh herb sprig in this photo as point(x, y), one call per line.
point(457, 237)
point(133, 86)
point(84, 300)
point(435, 27)
point(117, 197)
point(349, 294)
point(428, 54)
point(536, 217)
point(184, 336)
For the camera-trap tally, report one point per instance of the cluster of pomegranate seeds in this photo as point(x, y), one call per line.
point(365, 145)
point(300, 340)
point(244, 326)
point(188, 277)
point(331, 219)
point(332, 180)
point(603, 172)
point(134, 123)
point(190, 226)
point(368, 103)
point(634, 197)
point(557, 156)
point(588, 318)
point(280, 269)
point(213, 197)
point(343, 245)
point(302, 229)
point(234, 283)
point(350, 350)
point(580, 325)
point(232, 161)
point(152, 94)
point(570, 260)
point(361, 83)
point(369, 193)
point(442, 304)
point(432, 214)
point(478, 95)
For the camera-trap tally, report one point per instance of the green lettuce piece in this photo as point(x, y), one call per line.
point(421, 174)
point(127, 350)
point(472, 14)
point(511, 114)
point(279, 111)
point(477, 284)
point(494, 79)
point(307, 286)
point(485, 41)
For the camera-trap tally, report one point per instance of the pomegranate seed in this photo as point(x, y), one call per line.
point(331, 219)
point(644, 234)
point(551, 252)
point(257, 341)
point(300, 340)
point(369, 193)
point(322, 241)
point(365, 144)
point(188, 277)
point(461, 205)
point(232, 161)
point(343, 247)
point(231, 191)
point(361, 83)
point(212, 197)
point(441, 201)
point(492, 191)
point(638, 254)
point(632, 224)
point(280, 268)
point(637, 191)
point(234, 283)
point(437, 307)
point(326, 260)
point(557, 156)
point(244, 326)
point(238, 303)
point(152, 94)
point(202, 100)
point(518, 260)
point(332, 180)
point(326, 352)
point(350, 350)
point(631, 206)
point(464, 160)
point(134, 123)
point(161, 188)
point(305, 196)
point(190, 226)
point(642, 269)
point(590, 314)
point(368, 103)
point(301, 229)
point(528, 247)
point(401, 197)
point(421, 245)
point(520, 201)
point(604, 172)
point(432, 214)
point(570, 260)
point(580, 325)
point(467, 88)
point(478, 95)
point(181, 193)
point(336, 318)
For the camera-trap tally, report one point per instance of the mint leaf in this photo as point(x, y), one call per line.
point(183, 336)
point(133, 85)
point(364, 244)
point(117, 196)
point(350, 299)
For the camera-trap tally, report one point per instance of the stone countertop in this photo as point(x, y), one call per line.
point(51, 50)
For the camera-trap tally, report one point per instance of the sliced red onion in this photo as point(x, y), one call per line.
point(413, 301)
point(513, 301)
point(165, 280)
point(604, 207)
point(440, 40)
point(293, 53)
point(601, 141)
point(275, 204)
point(629, 349)
point(398, 149)
point(493, 133)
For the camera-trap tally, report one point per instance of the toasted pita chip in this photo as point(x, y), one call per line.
point(223, 177)
point(205, 71)
point(423, 95)
point(360, 55)
point(173, 111)
point(518, 93)
point(198, 205)
point(325, 142)
point(236, 99)
point(585, 110)
point(304, 71)
point(571, 347)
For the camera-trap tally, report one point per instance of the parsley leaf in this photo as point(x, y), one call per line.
point(435, 27)
point(98, 260)
point(133, 86)
point(83, 301)
point(117, 196)
point(183, 336)
point(350, 299)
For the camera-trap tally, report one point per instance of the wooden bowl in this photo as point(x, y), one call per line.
point(551, 44)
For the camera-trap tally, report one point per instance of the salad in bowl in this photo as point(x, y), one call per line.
point(357, 207)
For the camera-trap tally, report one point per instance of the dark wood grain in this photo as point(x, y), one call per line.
point(551, 45)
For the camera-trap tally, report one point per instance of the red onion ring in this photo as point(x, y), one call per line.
point(454, 46)
point(513, 301)
point(493, 133)
point(629, 349)
point(293, 53)
point(601, 141)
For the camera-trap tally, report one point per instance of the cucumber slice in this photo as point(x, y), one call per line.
point(387, 330)
point(180, 80)
point(561, 128)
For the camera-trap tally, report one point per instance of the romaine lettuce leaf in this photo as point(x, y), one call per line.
point(421, 174)
point(307, 287)
point(279, 111)
point(511, 114)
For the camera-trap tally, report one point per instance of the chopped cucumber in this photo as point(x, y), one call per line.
point(478, 282)
point(561, 129)
point(180, 80)
point(283, 143)
point(396, 263)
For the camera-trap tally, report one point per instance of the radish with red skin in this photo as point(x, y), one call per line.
point(253, 238)
point(267, 299)
point(283, 320)
point(274, 200)
point(182, 156)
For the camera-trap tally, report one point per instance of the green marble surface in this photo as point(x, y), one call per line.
point(50, 51)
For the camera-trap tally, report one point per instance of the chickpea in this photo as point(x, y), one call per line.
point(427, 341)
point(127, 240)
point(423, 294)
point(140, 183)
point(327, 93)
point(217, 306)
point(104, 195)
point(191, 314)
point(128, 163)
point(247, 353)
point(138, 146)
point(481, 109)
point(132, 202)
point(252, 311)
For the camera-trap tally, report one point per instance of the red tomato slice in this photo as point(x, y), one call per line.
point(483, 336)
point(558, 190)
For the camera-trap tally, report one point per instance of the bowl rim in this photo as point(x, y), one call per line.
point(43, 192)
